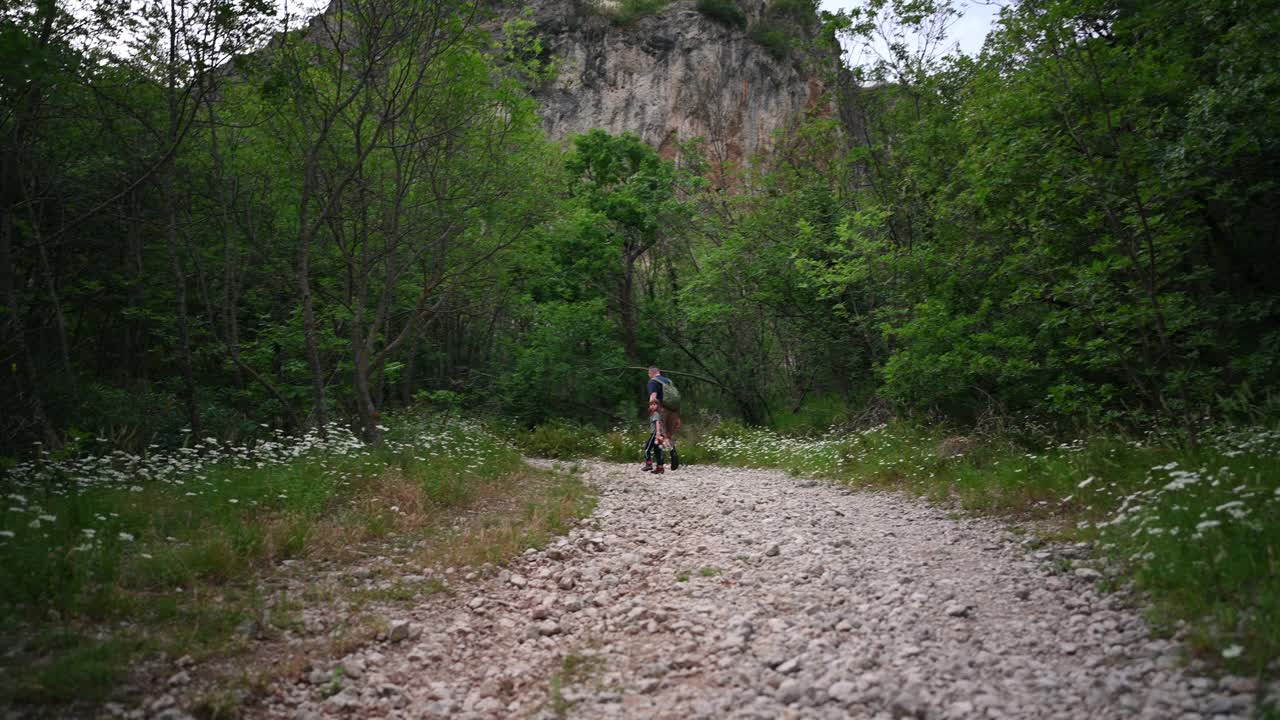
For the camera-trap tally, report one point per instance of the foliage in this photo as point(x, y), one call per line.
point(627, 12)
point(1195, 526)
point(559, 440)
point(773, 38)
point(559, 372)
point(726, 12)
point(785, 26)
point(108, 537)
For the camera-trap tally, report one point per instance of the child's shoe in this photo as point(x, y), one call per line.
point(647, 467)
point(658, 470)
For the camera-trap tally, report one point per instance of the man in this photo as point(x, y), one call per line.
point(656, 381)
point(663, 423)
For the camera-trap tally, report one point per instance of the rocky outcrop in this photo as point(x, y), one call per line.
point(668, 78)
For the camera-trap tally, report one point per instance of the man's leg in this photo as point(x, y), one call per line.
point(648, 452)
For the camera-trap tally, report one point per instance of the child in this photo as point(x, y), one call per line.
point(659, 439)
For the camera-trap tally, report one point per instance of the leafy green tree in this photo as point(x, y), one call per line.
point(629, 195)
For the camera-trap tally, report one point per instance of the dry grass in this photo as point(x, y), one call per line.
point(256, 621)
point(502, 518)
point(524, 511)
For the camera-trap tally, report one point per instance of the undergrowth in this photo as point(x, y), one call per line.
point(106, 555)
point(1197, 526)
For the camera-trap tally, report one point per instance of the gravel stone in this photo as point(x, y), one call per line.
point(883, 607)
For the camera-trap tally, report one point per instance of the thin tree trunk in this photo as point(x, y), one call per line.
point(46, 272)
point(27, 380)
point(365, 406)
point(319, 403)
point(171, 235)
point(626, 308)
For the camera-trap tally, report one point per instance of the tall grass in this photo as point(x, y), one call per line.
point(562, 440)
point(146, 539)
point(1195, 526)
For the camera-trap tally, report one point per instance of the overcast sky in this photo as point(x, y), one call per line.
point(977, 17)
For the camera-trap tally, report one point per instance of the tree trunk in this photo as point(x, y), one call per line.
point(26, 379)
point(171, 235)
point(184, 322)
point(46, 272)
point(365, 406)
point(626, 308)
point(319, 414)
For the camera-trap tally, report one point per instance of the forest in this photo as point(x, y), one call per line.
point(202, 233)
point(222, 223)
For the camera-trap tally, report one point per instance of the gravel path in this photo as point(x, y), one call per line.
point(721, 592)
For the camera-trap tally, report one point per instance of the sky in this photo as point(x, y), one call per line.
point(977, 17)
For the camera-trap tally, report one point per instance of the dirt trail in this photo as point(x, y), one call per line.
point(722, 592)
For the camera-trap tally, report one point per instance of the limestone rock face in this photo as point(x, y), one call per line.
point(667, 78)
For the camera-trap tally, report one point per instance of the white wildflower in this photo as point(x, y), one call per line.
point(126, 537)
point(1232, 651)
point(48, 518)
point(1207, 524)
point(1086, 482)
point(6, 533)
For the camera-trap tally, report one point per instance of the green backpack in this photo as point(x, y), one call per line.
point(670, 395)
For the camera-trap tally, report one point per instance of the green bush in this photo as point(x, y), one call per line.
point(814, 417)
point(560, 440)
point(723, 11)
point(629, 11)
point(556, 373)
point(774, 39)
point(801, 12)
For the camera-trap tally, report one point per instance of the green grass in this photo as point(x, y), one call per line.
point(70, 667)
point(627, 12)
point(1196, 526)
point(171, 544)
point(575, 668)
point(625, 444)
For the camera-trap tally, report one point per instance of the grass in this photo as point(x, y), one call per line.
point(106, 557)
point(1196, 526)
point(575, 668)
point(627, 12)
point(625, 443)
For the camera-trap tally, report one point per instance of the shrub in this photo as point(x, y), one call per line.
point(774, 39)
point(629, 11)
point(560, 440)
point(726, 12)
point(801, 12)
point(816, 416)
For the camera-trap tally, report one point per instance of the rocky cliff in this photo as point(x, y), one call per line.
point(668, 77)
